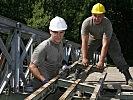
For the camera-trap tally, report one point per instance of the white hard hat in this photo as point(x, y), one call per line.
point(57, 24)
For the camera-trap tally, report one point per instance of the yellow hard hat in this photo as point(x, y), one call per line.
point(98, 9)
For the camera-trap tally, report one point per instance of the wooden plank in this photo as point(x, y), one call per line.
point(43, 91)
point(74, 64)
point(126, 96)
point(83, 75)
point(81, 98)
point(70, 91)
point(95, 94)
point(97, 89)
point(117, 86)
point(83, 87)
point(114, 75)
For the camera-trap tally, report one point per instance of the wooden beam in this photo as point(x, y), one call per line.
point(73, 66)
point(43, 91)
point(70, 91)
point(126, 95)
point(117, 86)
point(83, 75)
point(98, 87)
point(83, 87)
point(81, 98)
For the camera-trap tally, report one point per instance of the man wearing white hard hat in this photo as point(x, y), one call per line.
point(48, 56)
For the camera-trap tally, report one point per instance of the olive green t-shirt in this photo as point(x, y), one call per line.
point(97, 31)
point(48, 57)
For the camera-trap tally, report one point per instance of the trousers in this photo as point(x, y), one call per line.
point(114, 51)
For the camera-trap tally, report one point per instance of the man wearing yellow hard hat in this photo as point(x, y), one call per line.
point(97, 31)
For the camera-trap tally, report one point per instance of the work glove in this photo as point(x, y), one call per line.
point(66, 67)
point(45, 81)
point(64, 71)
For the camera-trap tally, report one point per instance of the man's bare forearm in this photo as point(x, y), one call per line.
point(104, 49)
point(34, 70)
point(85, 46)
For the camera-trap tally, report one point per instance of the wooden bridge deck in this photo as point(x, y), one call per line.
point(113, 76)
point(112, 79)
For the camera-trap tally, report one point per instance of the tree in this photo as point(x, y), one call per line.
point(71, 10)
point(17, 10)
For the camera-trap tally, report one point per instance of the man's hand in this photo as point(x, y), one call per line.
point(45, 81)
point(85, 62)
point(100, 64)
point(65, 67)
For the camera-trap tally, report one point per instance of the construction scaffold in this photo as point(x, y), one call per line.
point(17, 42)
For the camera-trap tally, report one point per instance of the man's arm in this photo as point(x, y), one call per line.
point(85, 49)
point(104, 50)
point(34, 70)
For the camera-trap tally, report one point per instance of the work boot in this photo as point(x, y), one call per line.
point(128, 77)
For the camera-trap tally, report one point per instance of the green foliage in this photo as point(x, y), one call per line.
point(72, 11)
point(16, 9)
point(40, 19)
point(38, 13)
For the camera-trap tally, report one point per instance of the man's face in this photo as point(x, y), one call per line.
point(97, 18)
point(57, 36)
